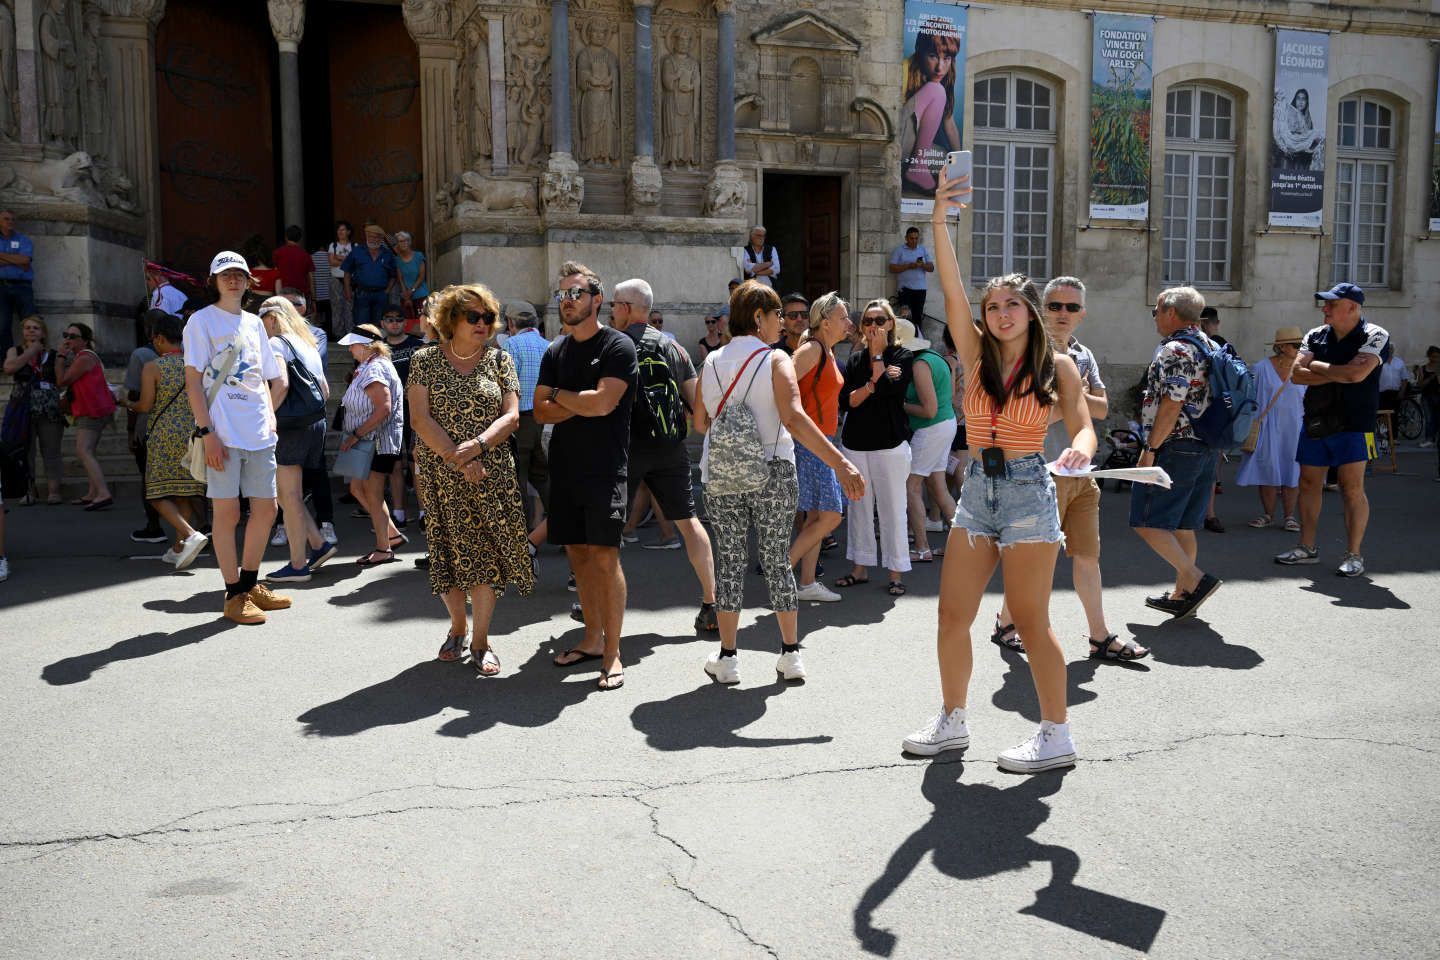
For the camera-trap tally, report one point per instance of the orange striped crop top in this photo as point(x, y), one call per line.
point(1019, 426)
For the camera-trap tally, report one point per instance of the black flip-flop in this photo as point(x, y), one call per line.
point(584, 656)
point(105, 504)
point(895, 588)
point(607, 681)
point(848, 581)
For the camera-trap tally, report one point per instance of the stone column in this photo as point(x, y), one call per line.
point(499, 118)
point(563, 188)
point(26, 71)
point(129, 41)
point(643, 188)
point(287, 23)
point(725, 195)
point(429, 25)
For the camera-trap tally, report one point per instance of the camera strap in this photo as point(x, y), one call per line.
point(995, 408)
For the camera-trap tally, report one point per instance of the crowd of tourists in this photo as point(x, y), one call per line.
point(811, 416)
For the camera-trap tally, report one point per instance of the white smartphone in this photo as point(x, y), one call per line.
point(960, 163)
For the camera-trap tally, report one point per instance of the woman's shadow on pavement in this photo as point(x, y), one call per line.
point(530, 696)
point(979, 831)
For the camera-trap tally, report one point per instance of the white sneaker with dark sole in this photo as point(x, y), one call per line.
point(948, 731)
point(790, 667)
point(1049, 749)
point(724, 670)
point(1352, 566)
point(1299, 556)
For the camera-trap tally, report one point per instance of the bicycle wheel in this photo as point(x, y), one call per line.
point(1409, 419)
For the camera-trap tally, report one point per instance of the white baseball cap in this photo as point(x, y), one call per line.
point(229, 260)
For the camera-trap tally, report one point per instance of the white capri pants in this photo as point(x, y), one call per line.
point(884, 472)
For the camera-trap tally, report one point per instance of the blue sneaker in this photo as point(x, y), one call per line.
point(288, 574)
point(317, 557)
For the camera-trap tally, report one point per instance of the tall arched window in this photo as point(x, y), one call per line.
point(1199, 197)
point(1014, 176)
point(1365, 158)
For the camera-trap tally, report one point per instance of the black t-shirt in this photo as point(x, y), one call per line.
point(589, 453)
point(400, 354)
point(1356, 402)
point(879, 423)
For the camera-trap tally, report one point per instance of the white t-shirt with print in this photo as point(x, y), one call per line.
point(240, 414)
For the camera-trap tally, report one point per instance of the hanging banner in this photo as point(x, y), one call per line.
point(1121, 84)
point(1435, 163)
point(932, 97)
point(1297, 156)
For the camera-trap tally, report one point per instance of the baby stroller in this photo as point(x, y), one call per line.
point(1124, 452)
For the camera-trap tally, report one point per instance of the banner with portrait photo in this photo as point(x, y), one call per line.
point(932, 98)
point(1435, 162)
point(1121, 88)
point(1297, 152)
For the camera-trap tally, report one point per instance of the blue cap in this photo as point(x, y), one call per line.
point(1342, 291)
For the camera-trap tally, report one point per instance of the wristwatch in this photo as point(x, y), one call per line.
point(484, 447)
point(1146, 448)
point(202, 431)
point(554, 392)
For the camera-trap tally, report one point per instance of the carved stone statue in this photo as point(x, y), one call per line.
point(75, 179)
point(473, 103)
point(725, 194)
point(9, 129)
point(526, 114)
point(427, 18)
point(597, 76)
point(477, 195)
point(643, 187)
point(59, 78)
point(564, 189)
point(95, 90)
point(680, 103)
point(287, 19)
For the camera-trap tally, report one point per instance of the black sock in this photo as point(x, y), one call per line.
point(790, 647)
point(246, 583)
point(234, 589)
point(728, 653)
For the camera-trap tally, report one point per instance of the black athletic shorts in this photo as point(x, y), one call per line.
point(592, 515)
point(667, 474)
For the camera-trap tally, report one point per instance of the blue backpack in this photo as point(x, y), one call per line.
point(1233, 406)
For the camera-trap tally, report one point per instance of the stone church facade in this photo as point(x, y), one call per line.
point(645, 137)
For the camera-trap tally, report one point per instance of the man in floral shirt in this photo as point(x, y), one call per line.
point(1177, 389)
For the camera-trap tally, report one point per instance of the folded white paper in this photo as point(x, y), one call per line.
point(1154, 475)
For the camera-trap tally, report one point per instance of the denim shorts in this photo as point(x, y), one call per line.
point(1016, 508)
point(1335, 450)
point(1191, 466)
point(247, 473)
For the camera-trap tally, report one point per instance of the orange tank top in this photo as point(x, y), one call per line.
point(820, 394)
point(1019, 426)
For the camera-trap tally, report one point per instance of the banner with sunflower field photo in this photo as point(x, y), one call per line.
point(1122, 83)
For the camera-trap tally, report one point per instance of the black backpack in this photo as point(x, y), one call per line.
point(657, 420)
point(304, 402)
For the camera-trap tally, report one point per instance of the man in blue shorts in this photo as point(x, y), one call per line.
point(1339, 365)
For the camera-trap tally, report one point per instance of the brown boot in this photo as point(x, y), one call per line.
point(267, 599)
point(239, 609)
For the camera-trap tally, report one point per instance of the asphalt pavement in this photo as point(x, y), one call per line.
point(177, 786)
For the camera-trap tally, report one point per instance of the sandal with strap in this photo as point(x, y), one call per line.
point(1005, 637)
point(1261, 521)
point(1129, 650)
point(850, 580)
point(895, 588)
point(486, 664)
point(922, 556)
point(611, 681)
point(452, 649)
point(369, 560)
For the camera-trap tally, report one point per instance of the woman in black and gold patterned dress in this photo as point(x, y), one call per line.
point(464, 400)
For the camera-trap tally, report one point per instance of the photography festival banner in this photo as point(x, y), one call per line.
point(932, 97)
point(1435, 162)
point(1297, 154)
point(1121, 87)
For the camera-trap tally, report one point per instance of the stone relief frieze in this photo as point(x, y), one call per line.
point(427, 19)
point(76, 178)
point(59, 76)
point(287, 19)
point(597, 84)
point(472, 99)
point(527, 87)
point(681, 111)
point(96, 109)
point(472, 194)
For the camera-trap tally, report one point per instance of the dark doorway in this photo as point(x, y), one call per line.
point(801, 215)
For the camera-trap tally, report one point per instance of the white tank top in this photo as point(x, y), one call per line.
point(719, 370)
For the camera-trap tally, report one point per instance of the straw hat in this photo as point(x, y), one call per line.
point(375, 228)
point(906, 337)
point(1288, 335)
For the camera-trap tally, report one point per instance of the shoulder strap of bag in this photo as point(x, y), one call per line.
point(1284, 382)
point(736, 381)
point(219, 382)
point(155, 417)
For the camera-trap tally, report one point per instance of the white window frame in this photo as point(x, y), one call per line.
point(1010, 139)
point(1194, 149)
point(1352, 162)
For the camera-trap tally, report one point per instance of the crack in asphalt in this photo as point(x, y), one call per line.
point(730, 918)
point(625, 789)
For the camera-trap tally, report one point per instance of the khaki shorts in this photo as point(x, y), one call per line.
point(1078, 500)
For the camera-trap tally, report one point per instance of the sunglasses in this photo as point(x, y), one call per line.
point(1055, 306)
point(873, 321)
point(477, 317)
point(797, 315)
point(1154, 311)
point(71, 336)
point(711, 323)
point(574, 293)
